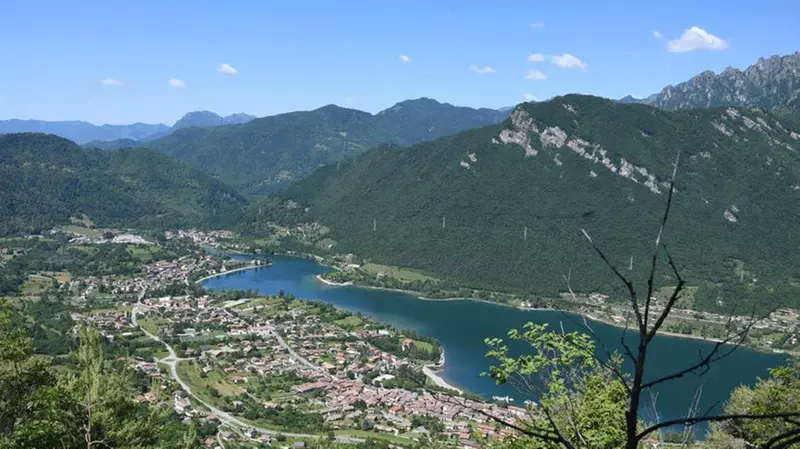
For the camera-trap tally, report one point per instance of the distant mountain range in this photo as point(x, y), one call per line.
point(772, 82)
point(269, 152)
point(85, 133)
point(47, 179)
point(516, 195)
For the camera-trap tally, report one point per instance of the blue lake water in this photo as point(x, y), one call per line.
point(461, 326)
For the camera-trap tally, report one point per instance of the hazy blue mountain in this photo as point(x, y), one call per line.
point(208, 118)
point(112, 145)
point(82, 132)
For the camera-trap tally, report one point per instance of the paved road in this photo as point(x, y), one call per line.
point(172, 362)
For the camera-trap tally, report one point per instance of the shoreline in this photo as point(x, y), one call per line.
point(418, 295)
point(235, 270)
point(431, 370)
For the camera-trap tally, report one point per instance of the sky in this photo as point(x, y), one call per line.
point(154, 60)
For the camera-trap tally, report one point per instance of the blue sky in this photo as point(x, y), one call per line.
point(296, 55)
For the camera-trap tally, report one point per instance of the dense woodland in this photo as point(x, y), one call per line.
point(46, 179)
point(487, 206)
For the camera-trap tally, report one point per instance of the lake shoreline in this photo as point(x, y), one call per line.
point(235, 270)
point(418, 295)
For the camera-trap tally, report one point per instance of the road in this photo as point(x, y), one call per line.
point(172, 362)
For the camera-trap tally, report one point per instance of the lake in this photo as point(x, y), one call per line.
point(462, 325)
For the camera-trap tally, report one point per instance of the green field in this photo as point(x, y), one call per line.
point(423, 345)
point(81, 230)
point(36, 284)
point(189, 372)
point(403, 274)
point(350, 322)
point(152, 324)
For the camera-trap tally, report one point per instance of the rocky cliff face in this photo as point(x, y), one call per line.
point(772, 82)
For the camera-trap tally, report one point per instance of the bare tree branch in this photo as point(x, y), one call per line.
point(654, 264)
point(775, 442)
point(688, 421)
point(705, 361)
point(623, 279)
point(672, 299)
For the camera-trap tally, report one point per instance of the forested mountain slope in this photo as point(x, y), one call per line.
point(267, 153)
point(570, 163)
point(45, 179)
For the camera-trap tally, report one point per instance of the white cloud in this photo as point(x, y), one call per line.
point(348, 100)
point(174, 82)
point(481, 70)
point(535, 57)
point(405, 58)
point(529, 97)
point(696, 38)
point(227, 69)
point(537, 24)
point(108, 81)
point(657, 34)
point(535, 75)
point(568, 61)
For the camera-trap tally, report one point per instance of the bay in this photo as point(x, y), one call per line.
point(461, 326)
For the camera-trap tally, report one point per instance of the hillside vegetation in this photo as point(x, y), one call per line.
point(270, 152)
point(577, 162)
point(47, 179)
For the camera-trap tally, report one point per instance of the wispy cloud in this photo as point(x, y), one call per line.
point(537, 24)
point(405, 58)
point(529, 97)
point(481, 70)
point(348, 100)
point(227, 69)
point(568, 61)
point(535, 75)
point(696, 38)
point(535, 57)
point(174, 82)
point(657, 34)
point(108, 81)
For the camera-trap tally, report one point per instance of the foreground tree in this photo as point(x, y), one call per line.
point(86, 405)
point(566, 374)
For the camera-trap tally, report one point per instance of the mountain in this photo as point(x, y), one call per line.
point(208, 118)
point(772, 82)
point(265, 153)
point(112, 145)
point(46, 179)
point(502, 206)
point(82, 132)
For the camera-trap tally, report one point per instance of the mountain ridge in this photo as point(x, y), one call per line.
point(267, 153)
point(772, 82)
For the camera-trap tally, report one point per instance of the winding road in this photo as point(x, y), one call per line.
point(226, 418)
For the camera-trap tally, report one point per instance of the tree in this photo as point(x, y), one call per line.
point(570, 374)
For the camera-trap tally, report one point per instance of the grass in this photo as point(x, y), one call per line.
point(82, 230)
point(403, 274)
point(351, 321)
point(152, 324)
point(190, 371)
point(368, 434)
point(423, 345)
point(143, 253)
point(36, 284)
